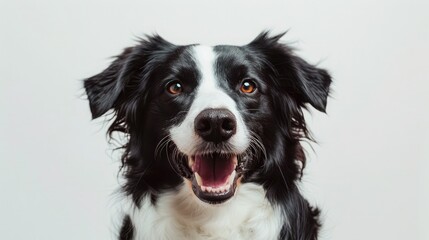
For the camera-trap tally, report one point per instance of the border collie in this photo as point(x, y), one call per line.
point(212, 138)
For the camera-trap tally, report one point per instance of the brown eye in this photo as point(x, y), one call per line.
point(248, 86)
point(174, 87)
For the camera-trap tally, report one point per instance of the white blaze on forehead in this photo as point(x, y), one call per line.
point(209, 94)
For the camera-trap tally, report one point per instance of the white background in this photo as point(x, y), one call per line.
point(369, 172)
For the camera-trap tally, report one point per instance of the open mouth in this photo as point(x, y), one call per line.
point(214, 178)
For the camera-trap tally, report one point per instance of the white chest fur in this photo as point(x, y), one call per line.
point(180, 215)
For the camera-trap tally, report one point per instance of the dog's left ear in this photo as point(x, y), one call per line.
point(305, 82)
point(312, 83)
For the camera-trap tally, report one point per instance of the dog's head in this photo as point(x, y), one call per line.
point(211, 116)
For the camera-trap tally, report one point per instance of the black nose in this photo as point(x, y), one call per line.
point(215, 125)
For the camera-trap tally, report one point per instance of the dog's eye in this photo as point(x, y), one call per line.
point(248, 86)
point(174, 87)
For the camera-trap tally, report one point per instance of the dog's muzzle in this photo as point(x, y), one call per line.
point(213, 167)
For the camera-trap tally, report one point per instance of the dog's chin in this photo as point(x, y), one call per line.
point(214, 176)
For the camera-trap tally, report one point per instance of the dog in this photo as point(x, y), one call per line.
point(212, 138)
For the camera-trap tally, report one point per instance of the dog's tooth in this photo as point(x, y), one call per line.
point(231, 178)
point(204, 189)
point(199, 180)
point(209, 189)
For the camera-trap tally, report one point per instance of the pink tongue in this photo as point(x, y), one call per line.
point(214, 170)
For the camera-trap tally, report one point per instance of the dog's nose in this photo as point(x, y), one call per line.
point(215, 125)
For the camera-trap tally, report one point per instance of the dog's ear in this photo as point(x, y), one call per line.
point(302, 80)
point(312, 83)
point(104, 89)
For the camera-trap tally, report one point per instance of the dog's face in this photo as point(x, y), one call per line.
point(210, 116)
point(225, 106)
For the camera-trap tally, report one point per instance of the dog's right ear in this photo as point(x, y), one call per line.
point(104, 89)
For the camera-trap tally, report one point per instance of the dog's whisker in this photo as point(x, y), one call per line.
point(161, 144)
point(173, 156)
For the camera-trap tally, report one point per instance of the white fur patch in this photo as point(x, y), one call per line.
point(179, 214)
point(208, 95)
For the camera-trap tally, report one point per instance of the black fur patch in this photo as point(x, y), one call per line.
point(127, 229)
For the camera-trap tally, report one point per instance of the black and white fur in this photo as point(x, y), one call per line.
point(265, 202)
